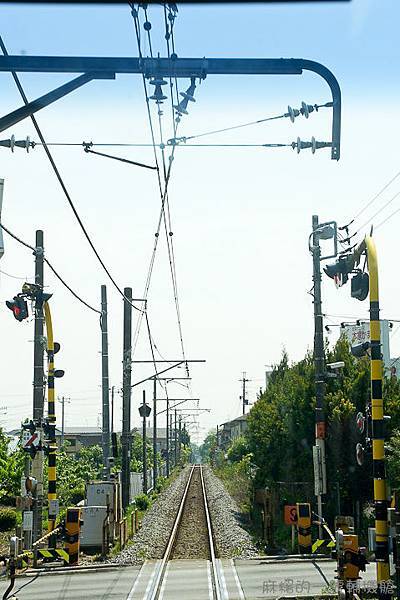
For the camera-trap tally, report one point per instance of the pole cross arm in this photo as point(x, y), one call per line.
point(32, 107)
point(183, 67)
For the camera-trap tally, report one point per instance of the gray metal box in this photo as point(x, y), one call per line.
point(92, 529)
point(97, 492)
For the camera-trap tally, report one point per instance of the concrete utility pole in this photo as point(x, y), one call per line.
point(243, 398)
point(62, 402)
point(112, 409)
point(154, 433)
point(167, 438)
point(175, 439)
point(170, 435)
point(105, 435)
point(319, 361)
point(38, 387)
point(144, 444)
point(180, 438)
point(126, 396)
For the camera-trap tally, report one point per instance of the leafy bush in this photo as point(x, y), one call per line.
point(142, 502)
point(77, 494)
point(8, 519)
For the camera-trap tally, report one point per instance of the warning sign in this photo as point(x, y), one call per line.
point(290, 514)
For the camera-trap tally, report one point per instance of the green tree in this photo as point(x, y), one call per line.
point(11, 470)
point(208, 447)
point(238, 449)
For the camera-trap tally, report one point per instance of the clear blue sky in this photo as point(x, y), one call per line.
point(241, 219)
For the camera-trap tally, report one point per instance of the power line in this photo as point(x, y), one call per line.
point(52, 268)
point(60, 179)
point(364, 208)
point(387, 218)
point(380, 210)
point(12, 276)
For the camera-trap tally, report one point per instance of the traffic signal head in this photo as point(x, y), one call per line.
point(339, 271)
point(360, 350)
point(360, 286)
point(19, 308)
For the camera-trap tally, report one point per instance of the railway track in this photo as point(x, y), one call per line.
point(190, 567)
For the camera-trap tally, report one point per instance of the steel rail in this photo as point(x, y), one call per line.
point(214, 564)
point(156, 586)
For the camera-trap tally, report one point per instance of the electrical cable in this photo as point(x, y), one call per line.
point(52, 269)
point(364, 208)
point(60, 179)
point(387, 218)
point(13, 276)
point(143, 145)
point(380, 210)
point(22, 586)
point(163, 193)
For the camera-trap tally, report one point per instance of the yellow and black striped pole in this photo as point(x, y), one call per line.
point(52, 481)
point(378, 426)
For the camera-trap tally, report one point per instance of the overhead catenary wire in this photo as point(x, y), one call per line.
point(61, 181)
point(167, 175)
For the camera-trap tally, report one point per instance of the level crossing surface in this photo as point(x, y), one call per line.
point(186, 580)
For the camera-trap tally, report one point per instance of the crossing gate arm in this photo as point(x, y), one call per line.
point(178, 67)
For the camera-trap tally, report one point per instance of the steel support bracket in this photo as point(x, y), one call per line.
point(29, 109)
point(180, 67)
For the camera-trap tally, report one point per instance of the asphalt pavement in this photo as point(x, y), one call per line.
point(185, 580)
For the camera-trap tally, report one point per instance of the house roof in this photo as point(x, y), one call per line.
point(80, 431)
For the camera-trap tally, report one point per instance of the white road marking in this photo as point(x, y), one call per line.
point(164, 582)
point(130, 595)
point(210, 586)
point(155, 570)
point(222, 578)
point(237, 580)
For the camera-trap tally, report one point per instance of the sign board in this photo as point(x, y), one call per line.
point(27, 524)
point(54, 508)
point(357, 334)
point(319, 479)
point(23, 502)
point(30, 439)
point(290, 514)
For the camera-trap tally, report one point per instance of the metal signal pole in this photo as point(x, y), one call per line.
point(38, 387)
point(319, 361)
point(126, 396)
point(105, 437)
point(154, 433)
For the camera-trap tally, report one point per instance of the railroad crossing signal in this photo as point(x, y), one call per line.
point(19, 308)
point(304, 527)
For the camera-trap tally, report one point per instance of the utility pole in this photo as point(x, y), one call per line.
point(62, 402)
point(319, 362)
point(243, 398)
point(38, 387)
point(175, 440)
point(167, 438)
point(154, 433)
point(144, 445)
point(105, 436)
point(180, 438)
point(170, 434)
point(126, 396)
point(112, 409)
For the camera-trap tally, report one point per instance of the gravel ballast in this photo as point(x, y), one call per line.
point(149, 543)
point(231, 539)
point(152, 537)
